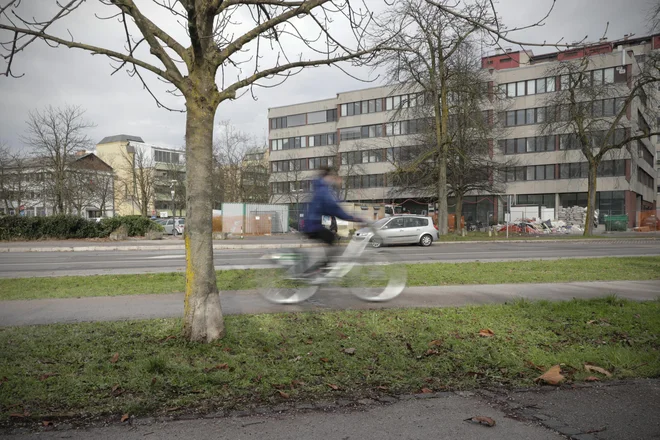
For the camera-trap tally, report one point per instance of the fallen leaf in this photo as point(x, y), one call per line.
point(17, 416)
point(426, 391)
point(283, 394)
point(295, 359)
point(593, 368)
point(115, 388)
point(591, 321)
point(552, 377)
point(47, 423)
point(324, 360)
point(350, 351)
point(431, 352)
point(217, 367)
point(428, 380)
point(176, 408)
point(114, 358)
point(486, 333)
point(124, 418)
point(46, 376)
point(342, 336)
point(487, 421)
point(409, 347)
point(309, 342)
point(153, 381)
point(227, 349)
point(382, 387)
point(169, 338)
point(435, 343)
point(592, 379)
point(296, 383)
point(333, 386)
point(534, 366)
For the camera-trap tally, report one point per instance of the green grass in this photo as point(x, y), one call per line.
point(432, 274)
point(65, 370)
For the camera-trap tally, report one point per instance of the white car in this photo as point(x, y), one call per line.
point(402, 229)
point(174, 226)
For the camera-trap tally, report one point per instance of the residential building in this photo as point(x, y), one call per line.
point(150, 178)
point(27, 187)
point(362, 131)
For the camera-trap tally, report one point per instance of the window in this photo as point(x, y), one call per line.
point(597, 77)
point(540, 85)
point(520, 117)
point(388, 104)
point(520, 88)
point(531, 145)
point(540, 115)
point(379, 105)
point(317, 117)
point(372, 106)
point(564, 171)
point(608, 76)
point(414, 222)
point(530, 116)
point(276, 123)
point(347, 134)
point(510, 118)
point(529, 173)
point(296, 120)
point(540, 172)
point(520, 146)
point(531, 87)
point(550, 84)
point(511, 90)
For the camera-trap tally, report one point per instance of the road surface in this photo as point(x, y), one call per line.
point(31, 264)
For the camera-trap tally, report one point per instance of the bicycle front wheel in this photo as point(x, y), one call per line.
point(281, 282)
point(374, 277)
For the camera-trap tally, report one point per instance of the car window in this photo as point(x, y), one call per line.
point(169, 222)
point(182, 221)
point(380, 223)
point(395, 223)
point(415, 222)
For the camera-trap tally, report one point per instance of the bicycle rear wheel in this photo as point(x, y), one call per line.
point(281, 282)
point(374, 277)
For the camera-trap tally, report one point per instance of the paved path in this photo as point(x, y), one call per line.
point(28, 264)
point(617, 411)
point(67, 310)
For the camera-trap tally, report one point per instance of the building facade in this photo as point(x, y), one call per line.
point(27, 187)
point(361, 132)
point(150, 178)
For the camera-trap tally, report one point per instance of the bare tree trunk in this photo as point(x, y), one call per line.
point(459, 212)
point(203, 320)
point(591, 197)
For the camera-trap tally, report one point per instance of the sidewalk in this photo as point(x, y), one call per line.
point(117, 308)
point(613, 411)
point(275, 242)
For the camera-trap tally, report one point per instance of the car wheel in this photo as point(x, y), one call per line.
point(376, 242)
point(426, 240)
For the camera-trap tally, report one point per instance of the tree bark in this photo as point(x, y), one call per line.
point(591, 197)
point(459, 212)
point(203, 321)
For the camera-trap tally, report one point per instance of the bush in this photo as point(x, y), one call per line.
point(70, 226)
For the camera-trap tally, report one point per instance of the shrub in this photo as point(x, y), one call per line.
point(70, 226)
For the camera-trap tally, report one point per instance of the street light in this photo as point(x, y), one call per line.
point(173, 192)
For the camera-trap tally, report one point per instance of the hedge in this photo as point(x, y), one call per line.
point(69, 226)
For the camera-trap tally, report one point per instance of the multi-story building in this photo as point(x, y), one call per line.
point(361, 131)
point(28, 188)
point(150, 178)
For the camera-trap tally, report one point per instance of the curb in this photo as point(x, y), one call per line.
point(305, 245)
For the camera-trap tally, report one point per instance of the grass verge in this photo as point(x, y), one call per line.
point(142, 367)
point(432, 274)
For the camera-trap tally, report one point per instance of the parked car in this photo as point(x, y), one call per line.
point(173, 226)
point(404, 229)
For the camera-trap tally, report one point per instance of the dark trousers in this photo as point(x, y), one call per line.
point(328, 237)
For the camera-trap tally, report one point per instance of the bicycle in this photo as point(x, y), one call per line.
point(367, 272)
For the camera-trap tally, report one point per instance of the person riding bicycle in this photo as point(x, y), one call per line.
point(325, 203)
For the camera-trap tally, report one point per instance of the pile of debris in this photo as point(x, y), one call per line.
point(537, 226)
point(576, 215)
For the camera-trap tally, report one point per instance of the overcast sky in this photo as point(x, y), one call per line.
point(117, 104)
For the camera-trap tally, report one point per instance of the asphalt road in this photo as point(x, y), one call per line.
point(31, 264)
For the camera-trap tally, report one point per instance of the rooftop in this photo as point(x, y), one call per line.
point(120, 138)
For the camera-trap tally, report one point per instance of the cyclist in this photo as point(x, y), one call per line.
point(324, 203)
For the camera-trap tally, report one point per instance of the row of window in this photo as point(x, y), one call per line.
point(575, 170)
point(528, 116)
point(318, 140)
point(571, 142)
point(644, 153)
point(166, 157)
point(365, 181)
point(535, 144)
point(376, 105)
point(312, 163)
point(318, 117)
point(390, 129)
point(546, 85)
point(300, 186)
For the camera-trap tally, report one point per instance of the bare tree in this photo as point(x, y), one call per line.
point(654, 15)
point(349, 163)
point(218, 47)
point(592, 109)
point(138, 180)
point(429, 37)
point(254, 177)
point(103, 188)
point(14, 181)
point(229, 150)
point(55, 135)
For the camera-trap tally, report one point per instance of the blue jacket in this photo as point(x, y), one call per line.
point(324, 203)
